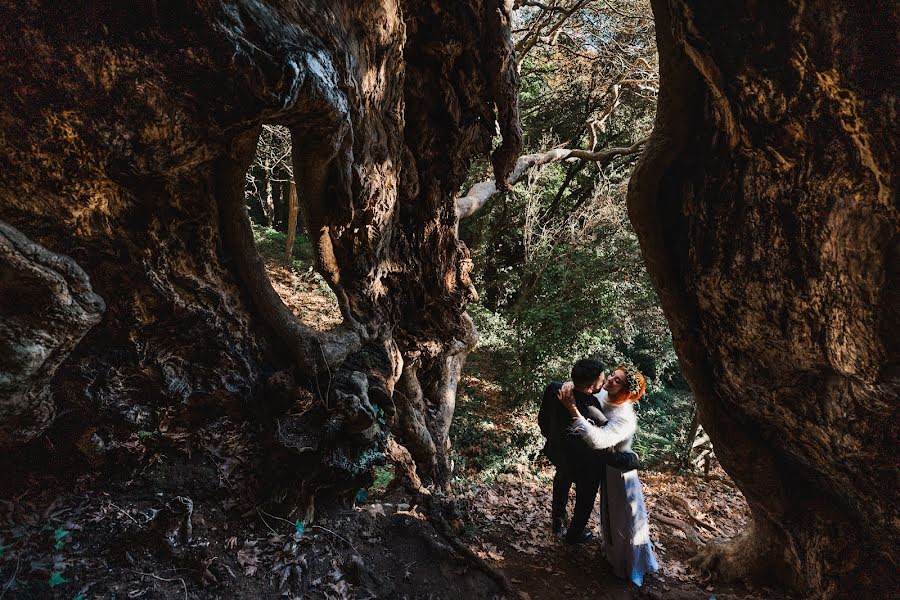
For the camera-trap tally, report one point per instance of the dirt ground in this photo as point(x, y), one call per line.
point(511, 516)
point(146, 539)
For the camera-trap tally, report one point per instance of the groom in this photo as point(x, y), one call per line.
point(575, 462)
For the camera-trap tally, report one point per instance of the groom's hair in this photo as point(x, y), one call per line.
point(586, 371)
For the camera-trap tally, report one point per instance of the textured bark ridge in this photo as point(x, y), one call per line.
point(766, 208)
point(125, 134)
point(765, 203)
point(46, 307)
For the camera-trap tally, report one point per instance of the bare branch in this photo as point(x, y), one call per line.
point(540, 5)
point(525, 46)
point(479, 194)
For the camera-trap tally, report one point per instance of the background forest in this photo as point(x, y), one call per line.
point(557, 263)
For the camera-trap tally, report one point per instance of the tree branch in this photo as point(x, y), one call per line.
point(525, 45)
point(479, 194)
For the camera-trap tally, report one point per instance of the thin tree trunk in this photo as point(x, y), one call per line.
point(268, 202)
point(689, 442)
point(292, 222)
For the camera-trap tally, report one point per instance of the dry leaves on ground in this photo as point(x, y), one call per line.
point(522, 503)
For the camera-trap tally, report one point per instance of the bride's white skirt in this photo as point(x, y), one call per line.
point(626, 528)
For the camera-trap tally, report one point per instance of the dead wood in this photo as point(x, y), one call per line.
point(479, 194)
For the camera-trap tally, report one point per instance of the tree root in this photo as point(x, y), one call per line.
point(436, 509)
point(748, 557)
point(679, 502)
point(405, 475)
point(691, 533)
point(46, 307)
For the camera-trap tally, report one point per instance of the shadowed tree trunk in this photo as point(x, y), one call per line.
point(764, 202)
point(125, 137)
point(766, 209)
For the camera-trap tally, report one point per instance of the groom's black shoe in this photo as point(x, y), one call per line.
point(584, 538)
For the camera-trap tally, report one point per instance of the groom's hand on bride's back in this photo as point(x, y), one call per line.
point(624, 461)
point(630, 461)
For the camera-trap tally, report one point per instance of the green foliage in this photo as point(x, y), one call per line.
point(271, 243)
point(56, 579)
point(379, 413)
point(665, 419)
point(491, 434)
point(383, 476)
point(59, 536)
point(557, 262)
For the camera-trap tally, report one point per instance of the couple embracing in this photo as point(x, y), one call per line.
point(589, 424)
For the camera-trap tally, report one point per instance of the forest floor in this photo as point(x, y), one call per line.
point(161, 514)
point(507, 514)
point(508, 509)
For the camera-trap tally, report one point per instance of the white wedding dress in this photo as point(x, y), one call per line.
point(624, 521)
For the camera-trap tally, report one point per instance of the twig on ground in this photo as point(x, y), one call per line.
point(683, 504)
point(183, 584)
point(258, 509)
point(343, 539)
point(260, 512)
point(724, 480)
point(11, 580)
point(121, 510)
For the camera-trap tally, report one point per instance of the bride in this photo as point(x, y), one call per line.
point(626, 529)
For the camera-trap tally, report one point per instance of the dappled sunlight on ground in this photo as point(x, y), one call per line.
point(512, 517)
point(303, 294)
point(505, 484)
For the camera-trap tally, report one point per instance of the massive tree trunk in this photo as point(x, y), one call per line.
point(125, 136)
point(766, 209)
point(764, 203)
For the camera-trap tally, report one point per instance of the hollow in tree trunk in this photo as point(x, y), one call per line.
point(123, 182)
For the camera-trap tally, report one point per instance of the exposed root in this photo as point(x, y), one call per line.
point(681, 503)
point(691, 533)
point(437, 507)
point(405, 476)
point(749, 557)
point(46, 307)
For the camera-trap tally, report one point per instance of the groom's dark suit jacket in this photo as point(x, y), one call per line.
point(568, 452)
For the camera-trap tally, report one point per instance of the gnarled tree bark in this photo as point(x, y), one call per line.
point(124, 140)
point(766, 209)
point(765, 204)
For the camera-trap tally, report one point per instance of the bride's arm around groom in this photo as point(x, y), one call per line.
point(616, 403)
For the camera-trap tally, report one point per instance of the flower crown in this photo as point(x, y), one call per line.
point(636, 383)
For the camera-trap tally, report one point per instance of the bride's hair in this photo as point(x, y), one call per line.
point(634, 384)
